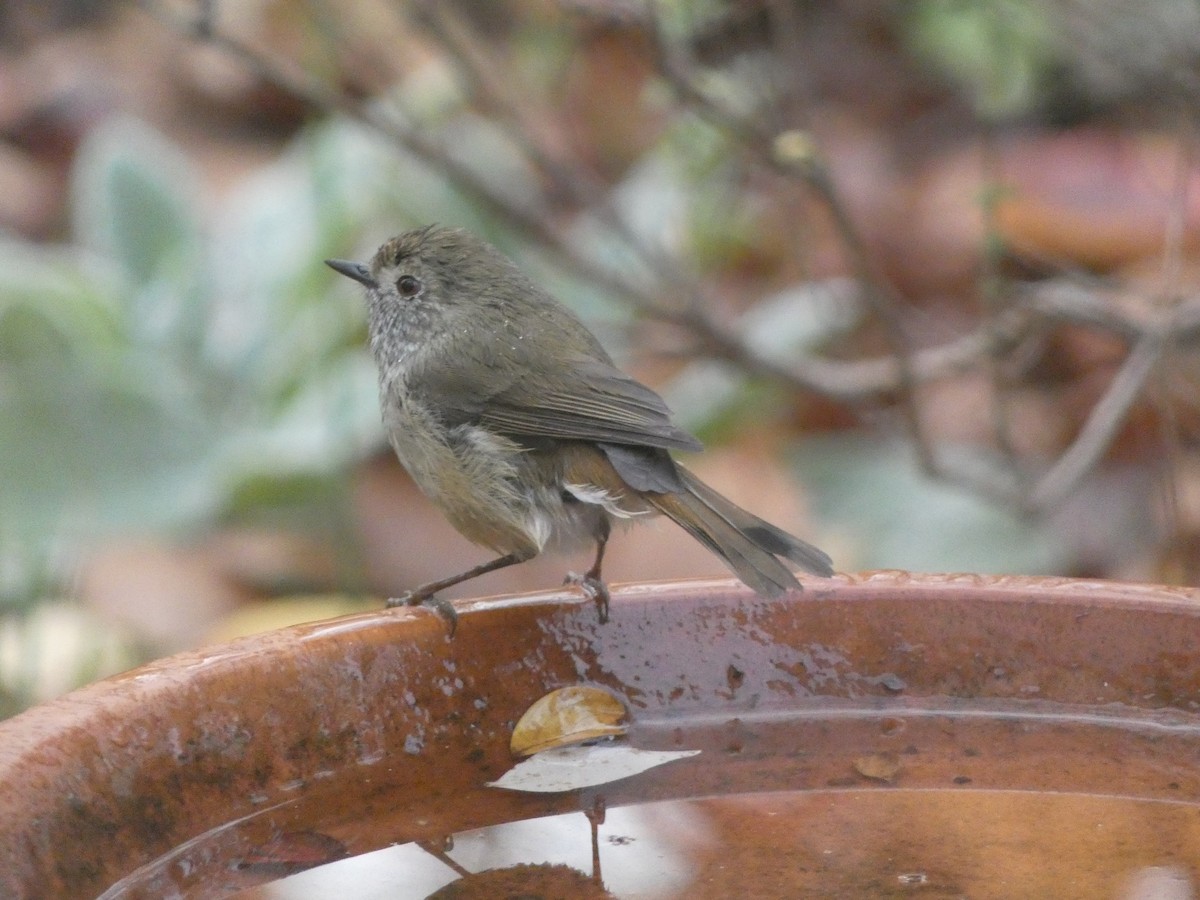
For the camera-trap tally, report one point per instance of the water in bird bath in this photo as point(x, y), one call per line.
point(880, 736)
point(1021, 800)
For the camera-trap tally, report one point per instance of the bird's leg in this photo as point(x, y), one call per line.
point(426, 594)
point(590, 582)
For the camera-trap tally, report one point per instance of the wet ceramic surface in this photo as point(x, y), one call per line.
point(866, 717)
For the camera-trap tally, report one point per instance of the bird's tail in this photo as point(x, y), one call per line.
point(750, 546)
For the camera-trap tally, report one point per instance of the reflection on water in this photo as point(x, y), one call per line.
point(1160, 883)
point(645, 851)
point(826, 844)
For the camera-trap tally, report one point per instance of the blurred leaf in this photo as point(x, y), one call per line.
point(429, 95)
point(802, 318)
point(604, 315)
point(700, 148)
point(1001, 51)
point(543, 51)
point(269, 615)
point(894, 517)
point(652, 200)
point(92, 434)
point(332, 421)
point(652, 204)
point(53, 304)
point(259, 497)
point(86, 452)
point(138, 392)
point(581, 766)
point(131, 203)
point(349, 167)
point(711, 397)
point(55, 649)
point(482, 146)
point(269, 230)
point(29, 572)
point(609, 250)
point(682, 20)
point(702, 392)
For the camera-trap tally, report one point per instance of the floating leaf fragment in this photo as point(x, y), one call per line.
point(572, 768)
point(570, 715)
point(878, 766)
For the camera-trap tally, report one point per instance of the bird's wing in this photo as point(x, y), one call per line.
point(588, 400)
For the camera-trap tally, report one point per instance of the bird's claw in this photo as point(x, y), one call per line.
point(439, 605)
point(593, 588)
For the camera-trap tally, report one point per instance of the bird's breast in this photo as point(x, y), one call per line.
point(470, 474)
point(418, 439)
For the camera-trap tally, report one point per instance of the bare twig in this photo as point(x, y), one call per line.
point(793, 153)
point(1172, 265)
point(992, 289)
point(532, 222)
point(677, 297)
point(1101, 427)
point(1175, 226)
point(1067, 301)
point(499, 94)
point(850, 381)
point(497, 90)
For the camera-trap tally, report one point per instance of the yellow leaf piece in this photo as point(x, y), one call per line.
point(570, 715)
point(878, 766)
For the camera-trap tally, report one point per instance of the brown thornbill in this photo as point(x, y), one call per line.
point(515, 422)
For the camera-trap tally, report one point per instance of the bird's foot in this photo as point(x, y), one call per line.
point(594, 589)
point(442, 607)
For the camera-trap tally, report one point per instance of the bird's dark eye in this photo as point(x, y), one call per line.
point(408, 286)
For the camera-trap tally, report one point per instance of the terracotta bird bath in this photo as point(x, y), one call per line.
point(875, 736)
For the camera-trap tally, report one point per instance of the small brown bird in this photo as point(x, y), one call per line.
point(514, 421)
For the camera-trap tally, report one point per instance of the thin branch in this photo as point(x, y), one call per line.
point(1175, 226)
point(899, 375)
point(534, 223)
point(793, 153)
point(499, 94)
point(992, 293)
point(851, 381)
point(1101, 427)
point(497, 90)
point(1066, 301)
point(1174, 234)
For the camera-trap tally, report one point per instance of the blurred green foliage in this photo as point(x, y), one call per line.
point(178, 365)
point(186, 360)
point(150, 371)
point(1064, 61)
point(1003, 52)
point(163, 373)
point(894, 517)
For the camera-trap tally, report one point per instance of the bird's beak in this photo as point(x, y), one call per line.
point(357, 271)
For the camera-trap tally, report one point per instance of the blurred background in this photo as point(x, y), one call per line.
point(921, 275)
